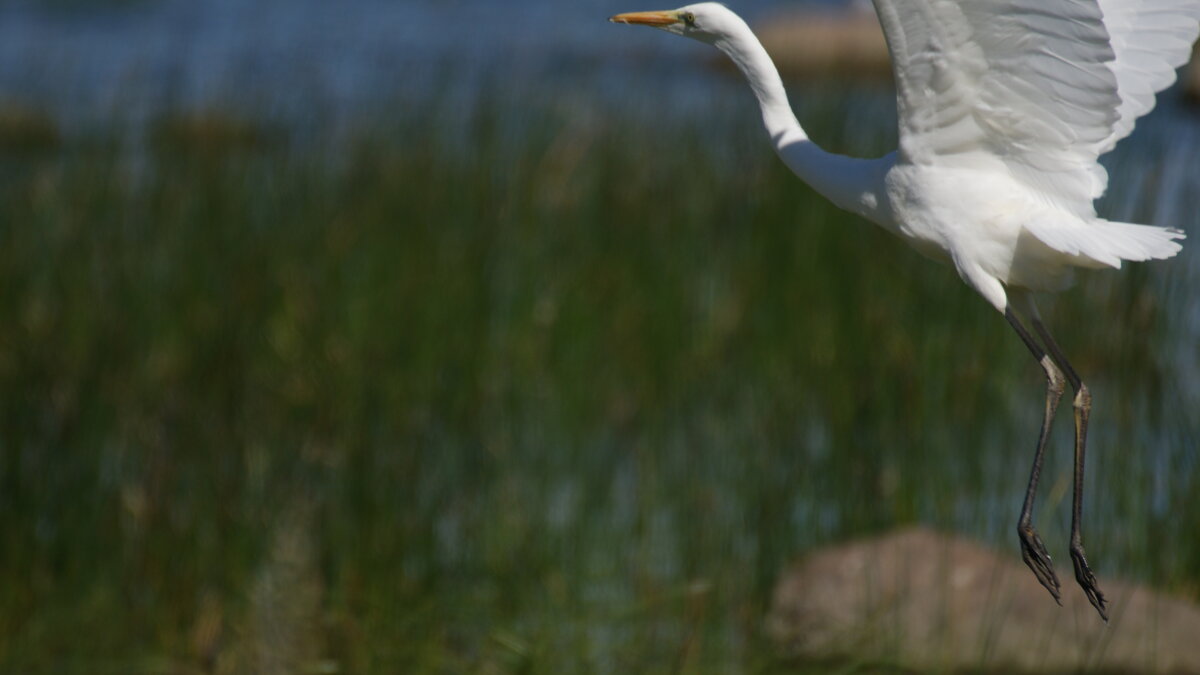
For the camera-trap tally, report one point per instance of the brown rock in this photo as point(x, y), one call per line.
point(925, 600)
point(832, 44)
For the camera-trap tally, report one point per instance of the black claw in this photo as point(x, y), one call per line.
point(1087, 580)
point(1034, 553)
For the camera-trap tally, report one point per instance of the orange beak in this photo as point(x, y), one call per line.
point(646, 18)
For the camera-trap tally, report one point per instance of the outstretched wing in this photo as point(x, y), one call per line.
point(1040, 86)
point(1151, 39)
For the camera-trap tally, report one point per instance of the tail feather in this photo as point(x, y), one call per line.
point(1104, 243)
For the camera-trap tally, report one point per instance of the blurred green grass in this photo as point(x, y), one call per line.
point(538, 392)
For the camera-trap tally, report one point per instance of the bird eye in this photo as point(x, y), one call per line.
point(688, 18)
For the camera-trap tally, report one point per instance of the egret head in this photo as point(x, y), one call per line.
point(705, 21)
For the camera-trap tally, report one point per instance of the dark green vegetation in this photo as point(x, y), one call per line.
point(537, 393)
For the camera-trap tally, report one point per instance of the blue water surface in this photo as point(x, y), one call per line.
point(124, 59)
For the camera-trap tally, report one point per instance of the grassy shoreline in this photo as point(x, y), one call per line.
point(565, 403)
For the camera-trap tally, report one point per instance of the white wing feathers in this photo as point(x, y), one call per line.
point(1103, 243)
point(1150, 38)
point(1042, 86)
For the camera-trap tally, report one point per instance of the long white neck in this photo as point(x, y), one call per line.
point(851, 184)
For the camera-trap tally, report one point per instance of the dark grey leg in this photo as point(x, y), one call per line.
point(1083, 408)
point(1033, 552)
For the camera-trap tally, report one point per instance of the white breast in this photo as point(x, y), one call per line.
point(975, 216)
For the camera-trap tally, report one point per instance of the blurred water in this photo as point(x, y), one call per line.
point(125, 59)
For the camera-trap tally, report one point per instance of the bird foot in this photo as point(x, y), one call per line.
point(1033, 552)
point(1083, 574)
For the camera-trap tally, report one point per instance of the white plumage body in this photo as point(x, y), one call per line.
point(971, 218)
point(1005, 107)
point(987, 225)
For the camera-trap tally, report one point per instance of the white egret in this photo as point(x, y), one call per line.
point(1004, 107)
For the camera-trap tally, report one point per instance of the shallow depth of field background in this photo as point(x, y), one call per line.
point(436, 337)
